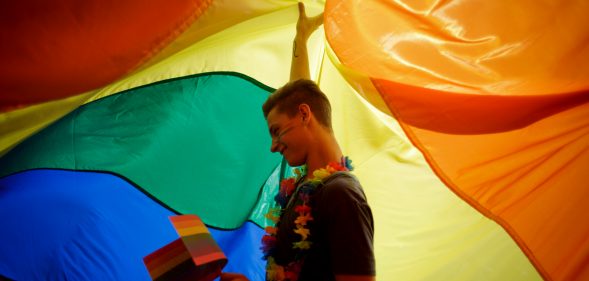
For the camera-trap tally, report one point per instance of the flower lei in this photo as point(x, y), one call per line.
point(291, 271)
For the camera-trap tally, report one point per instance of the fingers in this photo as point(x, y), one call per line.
point(302, 13)
point(306, 25)
point(315, 21)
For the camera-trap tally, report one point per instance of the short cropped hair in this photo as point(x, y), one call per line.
point(288, 98)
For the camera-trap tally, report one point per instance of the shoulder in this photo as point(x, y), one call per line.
point(343, 183)
point(342, 186)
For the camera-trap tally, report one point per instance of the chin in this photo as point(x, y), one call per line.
point(294, 162)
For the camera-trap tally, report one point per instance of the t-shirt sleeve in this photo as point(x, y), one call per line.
point(349, 227)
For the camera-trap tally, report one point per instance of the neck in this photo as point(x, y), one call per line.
point(326, 151)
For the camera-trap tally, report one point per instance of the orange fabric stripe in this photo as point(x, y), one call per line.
point(532, 186)
point(437, 110)
point(494, 96)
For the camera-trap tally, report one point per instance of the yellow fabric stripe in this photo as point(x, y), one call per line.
point(258, 45)
point(423, 231)
point(17, 125)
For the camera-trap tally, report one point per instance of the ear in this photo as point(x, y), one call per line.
point(305, 112)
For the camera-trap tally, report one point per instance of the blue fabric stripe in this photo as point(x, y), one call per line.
point(59, 225)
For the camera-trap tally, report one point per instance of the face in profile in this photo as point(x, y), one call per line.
point(288, 136)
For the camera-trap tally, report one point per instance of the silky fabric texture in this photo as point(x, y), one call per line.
point(495, 96)
point(71, 47)
point(156, 136)
point(423, 230)
point(257, 31)
point(94, 226)
point(414, 212)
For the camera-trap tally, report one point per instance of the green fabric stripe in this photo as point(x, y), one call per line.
point(198, 144)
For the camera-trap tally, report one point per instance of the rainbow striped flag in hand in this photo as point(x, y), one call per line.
point(193, 256)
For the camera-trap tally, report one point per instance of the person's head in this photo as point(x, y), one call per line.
point(287, 99)
point(294, 112)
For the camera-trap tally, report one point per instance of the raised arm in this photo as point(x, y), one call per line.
point(299, 67)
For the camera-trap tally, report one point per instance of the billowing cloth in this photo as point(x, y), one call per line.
point(156, 140)
point(72, 225)
point(494, 96)
point(466, 120)
point(71, 47)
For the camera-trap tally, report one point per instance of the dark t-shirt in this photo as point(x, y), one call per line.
point(342, 231)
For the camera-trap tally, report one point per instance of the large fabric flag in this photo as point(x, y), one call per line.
point(467, 121)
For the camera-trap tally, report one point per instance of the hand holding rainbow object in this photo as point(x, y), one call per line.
point(193, 256)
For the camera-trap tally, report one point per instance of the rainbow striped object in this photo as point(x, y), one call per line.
point(193, 256)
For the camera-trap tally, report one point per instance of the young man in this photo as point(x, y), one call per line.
point(324, 228)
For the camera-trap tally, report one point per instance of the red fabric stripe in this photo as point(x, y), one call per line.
point(52, 50)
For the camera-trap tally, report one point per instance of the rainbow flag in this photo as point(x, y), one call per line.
point(467, 122)
point(193, 256)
